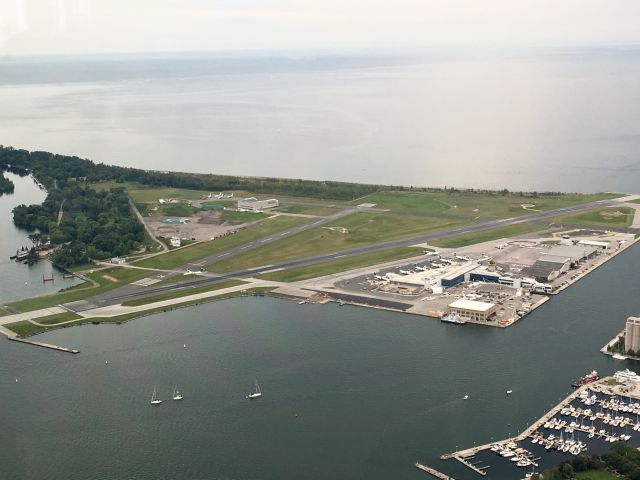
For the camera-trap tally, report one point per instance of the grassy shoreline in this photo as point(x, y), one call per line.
point(26, 329)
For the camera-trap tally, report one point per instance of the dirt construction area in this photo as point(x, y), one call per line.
point(203, 225)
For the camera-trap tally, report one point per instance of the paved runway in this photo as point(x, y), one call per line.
point(130, 292)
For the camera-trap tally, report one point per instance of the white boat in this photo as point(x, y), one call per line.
point(155, 400)
point(617, 356)
point(176, 394)
point(465, 397)
point(453, 318)
point(509, 392)
point(256, 392)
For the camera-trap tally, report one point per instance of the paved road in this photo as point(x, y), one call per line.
point(130, 292)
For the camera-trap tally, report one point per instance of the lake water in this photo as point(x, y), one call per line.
point(374, 391)
point(564, 120)
point(18, 279)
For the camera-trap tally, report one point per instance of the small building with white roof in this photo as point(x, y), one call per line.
point(472, 309)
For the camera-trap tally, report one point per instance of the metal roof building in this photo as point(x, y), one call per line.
point(575, 252)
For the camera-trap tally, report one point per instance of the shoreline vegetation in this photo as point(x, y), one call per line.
point(26, 328)
point(6, 185)
point(90, 223)
point(88, 215)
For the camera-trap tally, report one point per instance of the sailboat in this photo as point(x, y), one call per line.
point(176, 394)
point(256, 392)
point(465, 397)
point(155, 400)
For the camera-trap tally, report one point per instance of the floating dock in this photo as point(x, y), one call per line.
point(463, 456)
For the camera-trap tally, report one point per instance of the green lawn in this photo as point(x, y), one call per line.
point(151, 195)
point(244, 217)
point(342, 265)
point(107, 185)
point(364, 229)
point(603, 217)
point(78, 292)
point(474, 204)
point(487, 235)
point(201, 250)
point(177, 210)
point(24, 329)
point(57, 318)
point(183, 293)
point(596, 475)
point(307, 210)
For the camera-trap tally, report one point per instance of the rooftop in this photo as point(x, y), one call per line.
point(472, 305)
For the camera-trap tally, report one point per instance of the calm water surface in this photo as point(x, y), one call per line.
point(565, 120)
point(19, 280)
point(374, 391)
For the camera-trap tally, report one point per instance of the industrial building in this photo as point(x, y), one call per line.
point(254, 205)
point(548, 267)
point(472, 310)
point(576, 253)
point(632, 335)
point(596, 243)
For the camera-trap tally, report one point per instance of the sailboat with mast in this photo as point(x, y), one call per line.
point(176, 394)
point(256, 392)
point(154, 399)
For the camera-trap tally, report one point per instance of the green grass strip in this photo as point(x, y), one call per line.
point(486, 236)
point(183, 293)
point(335, 266)
point(199, 251)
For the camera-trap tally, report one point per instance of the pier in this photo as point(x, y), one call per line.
point(463, 456)
point(45, 345)
point(433, 472)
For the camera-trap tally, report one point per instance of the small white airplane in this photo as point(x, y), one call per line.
point(189, 272)
point(462, 257)
point(406, 272)
point(422, 269)
point(380, 277)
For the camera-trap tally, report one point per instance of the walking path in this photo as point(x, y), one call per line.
point(146, 227)
point(20, 317)
point(116, 310)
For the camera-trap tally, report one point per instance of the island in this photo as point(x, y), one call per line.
point(147, 241)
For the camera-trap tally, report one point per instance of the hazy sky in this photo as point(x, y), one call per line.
point(84, 26)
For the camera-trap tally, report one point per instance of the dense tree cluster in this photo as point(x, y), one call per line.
point(99, 225)
point(50, 167)
point(6, 185)
point(621, 458)
point(94, 225)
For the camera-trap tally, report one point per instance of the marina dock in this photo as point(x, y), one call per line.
point(464, 456)
point(433, 472)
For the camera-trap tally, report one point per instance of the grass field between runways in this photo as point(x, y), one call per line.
point(342, 265)
point(360, 229)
